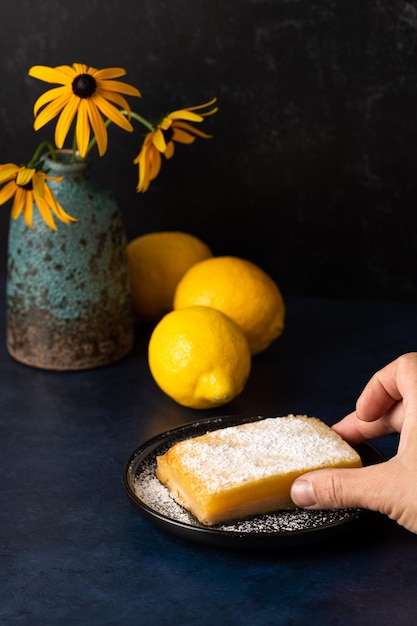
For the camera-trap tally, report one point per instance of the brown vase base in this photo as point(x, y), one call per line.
point(74, 345)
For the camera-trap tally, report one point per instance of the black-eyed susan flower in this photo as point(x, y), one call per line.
point(27, 186)
point(86, 93)
point(174, 127)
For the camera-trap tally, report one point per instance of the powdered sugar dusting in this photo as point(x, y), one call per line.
point(156, 497)
point(234, 455)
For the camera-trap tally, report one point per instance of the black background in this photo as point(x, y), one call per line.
point(312, 169)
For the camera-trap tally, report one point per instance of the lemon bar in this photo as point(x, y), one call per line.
point(238, 471)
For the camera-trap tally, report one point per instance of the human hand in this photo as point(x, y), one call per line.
point(388, 404)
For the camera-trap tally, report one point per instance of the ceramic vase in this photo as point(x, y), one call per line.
point(68, 291)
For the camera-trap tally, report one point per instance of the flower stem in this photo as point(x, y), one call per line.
point(141, 119)
point(74, 149)
point(35, 159)
point(135, 116)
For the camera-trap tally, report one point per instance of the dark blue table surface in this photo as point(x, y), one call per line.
point(74, 550)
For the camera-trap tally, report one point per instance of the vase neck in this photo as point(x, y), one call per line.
point(64, 165)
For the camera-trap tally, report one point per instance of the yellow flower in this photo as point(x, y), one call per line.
point(26, 186)
point(174, 127)
point(87, 93)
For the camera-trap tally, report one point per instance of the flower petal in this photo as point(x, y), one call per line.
point(28, 208)
point(82, 129)
point(108, 73)
point(8, 171)
point(159, 140)
point(145, 145)
point(50, 111)
point(45, 212)
point(50, 95)
point(99, 128)
point(82, 68)
point(65, 120)
point(204, 106)
point(149, 161)
point(39, 185)
point(119, 87)
point(62, 74)
point(184, 114)
point(111, 112)
point(19, 202)
point(181, 136)
point(24, 176)
point(169, 152)
point(117, 98)
point(7, 191)
point(68, 70)
point(57, 208)
point(187, 127)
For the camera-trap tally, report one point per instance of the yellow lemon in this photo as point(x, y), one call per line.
point(199, 357)
point(157, 261)
point(241, 290)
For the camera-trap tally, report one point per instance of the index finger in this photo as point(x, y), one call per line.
point(355, 430)
point(389, 395)
point(395, 382)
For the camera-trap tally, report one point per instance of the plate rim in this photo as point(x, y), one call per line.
point(221, 537)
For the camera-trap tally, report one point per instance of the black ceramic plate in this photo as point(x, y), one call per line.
point(279, 529)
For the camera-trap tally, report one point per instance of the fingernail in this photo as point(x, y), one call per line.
point(302, 493)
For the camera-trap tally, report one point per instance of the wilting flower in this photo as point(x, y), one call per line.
point(174, 127)
point(27, 185)
point(86, 93)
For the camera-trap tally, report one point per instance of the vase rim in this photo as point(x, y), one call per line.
point(64, 160)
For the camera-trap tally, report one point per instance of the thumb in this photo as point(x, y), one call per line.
point(342, 488)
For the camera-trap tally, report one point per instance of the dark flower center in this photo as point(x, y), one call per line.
point(84, 85)
point(27, 187)
point(168, 134)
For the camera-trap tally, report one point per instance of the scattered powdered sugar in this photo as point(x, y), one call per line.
point(295, 520)
point(156, 496)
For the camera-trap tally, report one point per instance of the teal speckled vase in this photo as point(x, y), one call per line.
point(68, 291)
